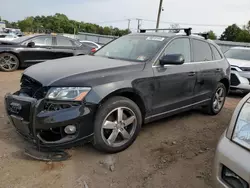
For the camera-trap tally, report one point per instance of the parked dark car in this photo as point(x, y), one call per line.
point(32, 49)
point(106, 97)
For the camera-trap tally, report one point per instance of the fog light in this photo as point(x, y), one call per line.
point(70, 129)
point(233, 179)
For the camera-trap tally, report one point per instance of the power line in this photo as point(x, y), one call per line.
point(181, 23)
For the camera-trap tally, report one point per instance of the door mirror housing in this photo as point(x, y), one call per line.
point(172, 59)
point(31, 44)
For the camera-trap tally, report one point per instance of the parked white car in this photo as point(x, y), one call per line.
point(92, 44)
point(7, 37)
point(239, 59)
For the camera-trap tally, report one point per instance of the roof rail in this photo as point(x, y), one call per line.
point(186, 30)
point(204, 35)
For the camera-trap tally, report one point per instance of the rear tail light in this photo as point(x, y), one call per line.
point(93, 50)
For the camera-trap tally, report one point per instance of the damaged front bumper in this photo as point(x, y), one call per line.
point(46, 127)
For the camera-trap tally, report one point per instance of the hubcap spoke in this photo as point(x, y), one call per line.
point(109, 125)
point(113, 137)
point(125, 134)
point(119, 114)
point(129, 121)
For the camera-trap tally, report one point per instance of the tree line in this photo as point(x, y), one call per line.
point(60, 23)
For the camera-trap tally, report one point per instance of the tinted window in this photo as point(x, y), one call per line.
point(216, 53)
point(179, 46)
point(202, 51)
point(133, 48)
point(63, 42)
point(242, 54)
point(42, 41)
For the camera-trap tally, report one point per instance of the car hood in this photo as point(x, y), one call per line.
point(238, 62)
point(59, 71)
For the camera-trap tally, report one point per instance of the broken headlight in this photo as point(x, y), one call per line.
point(68, 93)
point(241, 133)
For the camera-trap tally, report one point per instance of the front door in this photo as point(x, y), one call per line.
point(175, 83)
point(42, 50)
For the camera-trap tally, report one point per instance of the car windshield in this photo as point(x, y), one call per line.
point(132, 48)
point(238, 54)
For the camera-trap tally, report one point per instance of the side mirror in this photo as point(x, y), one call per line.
point(172, 59)
point(31, 44)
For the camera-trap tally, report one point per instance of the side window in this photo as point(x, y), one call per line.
point(179, 46)
point(202, 51)
point(61, 41)
point(217, 55)
point(42, 41)
point(91, 44)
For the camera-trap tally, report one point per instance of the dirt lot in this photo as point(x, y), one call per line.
point(174, 152)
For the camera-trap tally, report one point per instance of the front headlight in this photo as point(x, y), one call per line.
point(67, 93)
point(241, 133)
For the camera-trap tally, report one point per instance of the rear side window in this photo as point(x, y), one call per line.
point(202, 51)
point(90, 44)
point(63, 42)
point(216, 53)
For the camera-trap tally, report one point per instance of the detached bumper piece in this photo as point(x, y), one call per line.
point(46, 155)
point(54, 125)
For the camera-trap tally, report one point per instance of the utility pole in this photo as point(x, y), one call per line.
point(159, 15)
point(129, 24)
point(138, 24)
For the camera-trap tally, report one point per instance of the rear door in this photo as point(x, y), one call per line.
point(64, 47)
point(175, 83)
point(42, 50)
point(208, 68)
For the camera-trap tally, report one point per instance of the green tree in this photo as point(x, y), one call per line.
point(231, 33)
point(243, 36)
point(212, 35)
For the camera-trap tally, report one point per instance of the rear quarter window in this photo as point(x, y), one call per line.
point(216, 53)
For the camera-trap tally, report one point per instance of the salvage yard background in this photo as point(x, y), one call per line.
point(173, 152)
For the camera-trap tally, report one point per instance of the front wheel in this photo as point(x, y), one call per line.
point(117, 124)
point(8, 62)
point(217, 101)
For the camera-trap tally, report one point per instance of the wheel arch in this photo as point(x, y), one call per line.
point(131, 94)
point(226, 83)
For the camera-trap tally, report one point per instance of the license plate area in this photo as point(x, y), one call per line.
point(20, 107)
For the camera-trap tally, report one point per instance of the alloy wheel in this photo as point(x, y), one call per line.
point(8, 62)
point(119, 126)
point(219, 99)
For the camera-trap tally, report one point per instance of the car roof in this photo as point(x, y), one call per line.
point(169, 35)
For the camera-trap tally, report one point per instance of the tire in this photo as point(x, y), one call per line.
point(109, 110)
point(8, 62)
point(210, 108)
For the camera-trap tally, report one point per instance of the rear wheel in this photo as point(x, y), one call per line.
point(8, 62)
point(118, 122)
point(217, 100)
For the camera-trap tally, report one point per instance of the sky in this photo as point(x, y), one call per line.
point(201, 15)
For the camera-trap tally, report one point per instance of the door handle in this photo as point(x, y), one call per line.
point(191, 73)
point(218, 70)
point(48, 47)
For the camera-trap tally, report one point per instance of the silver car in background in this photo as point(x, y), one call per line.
point(239, 59)
point(231, 163)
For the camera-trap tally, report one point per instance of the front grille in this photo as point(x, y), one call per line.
point(32, 88)
point(234, 80)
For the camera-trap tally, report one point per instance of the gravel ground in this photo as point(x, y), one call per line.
point(174, 152)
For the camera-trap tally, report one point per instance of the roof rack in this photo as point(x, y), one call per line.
point(186, 30)
point(205, 35)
